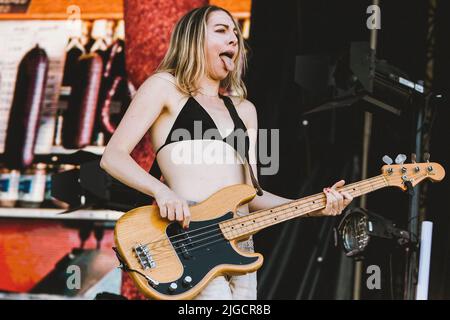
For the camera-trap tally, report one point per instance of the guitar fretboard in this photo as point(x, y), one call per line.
point(243, 226)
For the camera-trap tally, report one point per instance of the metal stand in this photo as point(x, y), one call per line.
point(413, 229)
point(365, 155)
point(414, 206)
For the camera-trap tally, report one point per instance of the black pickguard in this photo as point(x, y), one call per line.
point(200, 250)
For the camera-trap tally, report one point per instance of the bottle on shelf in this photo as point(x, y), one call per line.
point(47, 203)
point(23, 122)
point(79, 117)
point(116, 90)
point(74, 50)
point(32, 186)
point(9, 187)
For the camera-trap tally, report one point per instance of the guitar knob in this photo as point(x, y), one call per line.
point(187, 281)
point(426, 157)
point(387, 160)
point(173, 286)
point(400, 159)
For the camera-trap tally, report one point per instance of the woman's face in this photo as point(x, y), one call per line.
point(221, 45)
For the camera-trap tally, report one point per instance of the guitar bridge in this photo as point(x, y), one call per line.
point(144, 257)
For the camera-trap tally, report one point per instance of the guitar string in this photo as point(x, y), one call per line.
point(194, 248)
point(168, 243)
point(168, 252)
point(249, 217)
point(314, 198)
point(170, 246)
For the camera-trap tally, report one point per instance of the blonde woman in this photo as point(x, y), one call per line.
point(206, 56)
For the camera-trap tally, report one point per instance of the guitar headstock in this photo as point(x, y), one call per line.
point(400, 174)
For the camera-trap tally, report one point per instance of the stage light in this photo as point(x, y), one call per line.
point(359, 227)
point(354, 233)
point(355, 77)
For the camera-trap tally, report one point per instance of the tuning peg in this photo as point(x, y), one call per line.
point(413, 158)
point(400, 159)
point(387, 160)
point(426, 157)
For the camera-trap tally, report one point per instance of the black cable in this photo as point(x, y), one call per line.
point(124, 266)
point(413, 233)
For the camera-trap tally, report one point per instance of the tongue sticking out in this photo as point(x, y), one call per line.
point(229, 64)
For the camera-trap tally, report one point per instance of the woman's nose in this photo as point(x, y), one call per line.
point(233, 39)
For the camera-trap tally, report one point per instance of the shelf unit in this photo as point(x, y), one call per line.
point(54, 214)
point(61, 10)
point(61, 150)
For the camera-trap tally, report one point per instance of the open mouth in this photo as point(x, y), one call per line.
point(229, 54)
point(228, 59)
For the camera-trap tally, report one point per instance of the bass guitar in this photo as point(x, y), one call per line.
point(168, 262)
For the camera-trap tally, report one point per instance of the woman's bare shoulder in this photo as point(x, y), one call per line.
point(165, 76)
point(160, 80)
point(243, 105)
point(245, 109)
point(162, 83)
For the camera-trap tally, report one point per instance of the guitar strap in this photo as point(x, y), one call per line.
point(255, 182)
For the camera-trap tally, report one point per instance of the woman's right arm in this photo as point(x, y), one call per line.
point(143, 110)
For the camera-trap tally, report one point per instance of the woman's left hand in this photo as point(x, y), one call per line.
point(336, 200)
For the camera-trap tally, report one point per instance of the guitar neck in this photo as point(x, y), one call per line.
point(242, 227)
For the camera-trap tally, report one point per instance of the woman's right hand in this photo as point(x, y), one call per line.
point(172, 207)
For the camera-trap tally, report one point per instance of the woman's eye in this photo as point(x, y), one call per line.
point(221, 30)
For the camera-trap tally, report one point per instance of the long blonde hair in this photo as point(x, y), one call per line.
point(185, 59)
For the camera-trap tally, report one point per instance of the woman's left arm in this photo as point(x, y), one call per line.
point(336, 200)
point(266, 201)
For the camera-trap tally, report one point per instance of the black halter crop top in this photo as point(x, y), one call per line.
point(193, 114)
